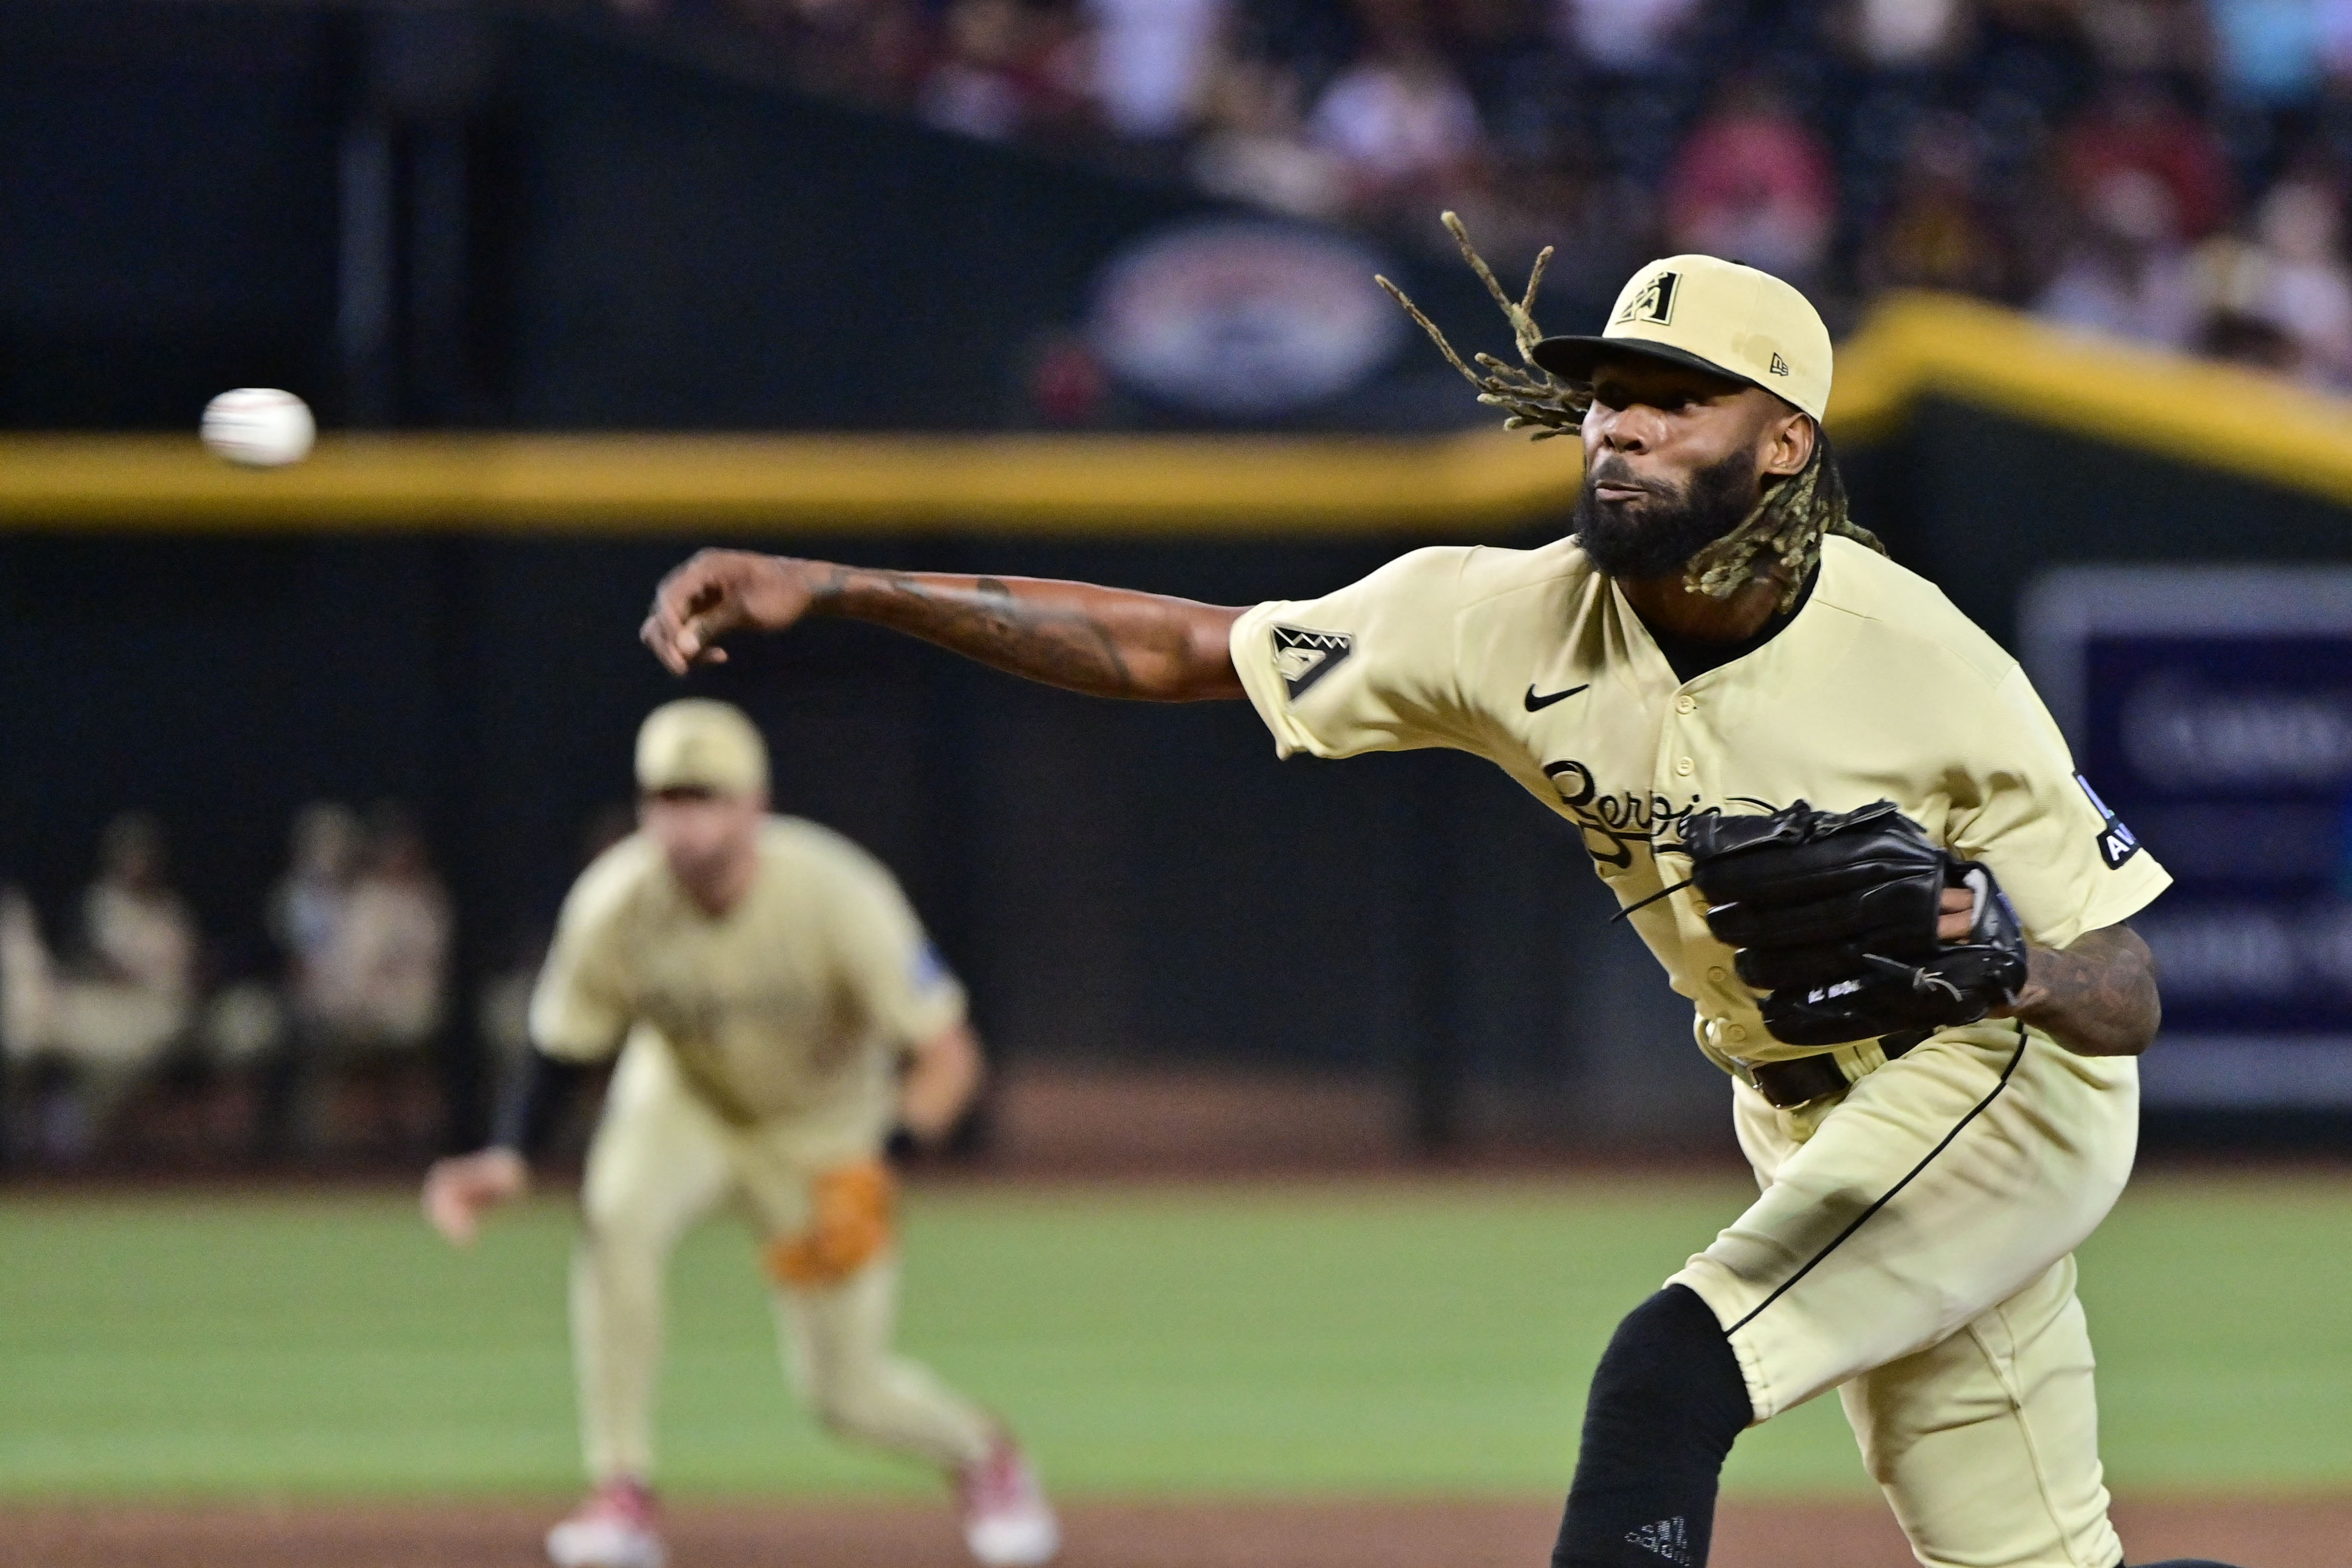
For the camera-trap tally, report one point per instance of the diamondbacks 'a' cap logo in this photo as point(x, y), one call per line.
point(1302, 658)
point(1779, 366)
point(1656, 303)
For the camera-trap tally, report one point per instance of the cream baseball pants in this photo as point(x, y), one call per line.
point(660, 1160)
point(1913, 1249)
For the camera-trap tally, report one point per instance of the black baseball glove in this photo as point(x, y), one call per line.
point(1835, 914)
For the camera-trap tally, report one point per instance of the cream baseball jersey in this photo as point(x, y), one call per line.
point(794, 1007)
point(1877, 688)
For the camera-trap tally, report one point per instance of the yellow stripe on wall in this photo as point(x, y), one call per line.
point(1469, 484)
point(2191, 411)
point(1000, 484)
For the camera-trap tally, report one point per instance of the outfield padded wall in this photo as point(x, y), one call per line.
point(1117, 880)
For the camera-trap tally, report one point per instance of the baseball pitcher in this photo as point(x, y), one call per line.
point(1838, 816)
point(776, 1010)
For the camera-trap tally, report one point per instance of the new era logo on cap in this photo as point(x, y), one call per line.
point(1779, 366)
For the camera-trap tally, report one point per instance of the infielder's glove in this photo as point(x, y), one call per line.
point(1835, 914)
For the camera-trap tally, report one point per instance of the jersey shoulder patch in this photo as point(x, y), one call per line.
point(1302, 656)
point(2117, 843)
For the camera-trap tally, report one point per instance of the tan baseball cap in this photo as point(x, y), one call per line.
point(698, 744)
point(1718, 315)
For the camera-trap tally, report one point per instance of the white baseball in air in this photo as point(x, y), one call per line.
point(260, 427)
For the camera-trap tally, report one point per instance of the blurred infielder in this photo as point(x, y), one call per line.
point(777, 1009)
point(1938, 1094)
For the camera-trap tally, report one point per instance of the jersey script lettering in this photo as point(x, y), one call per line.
point(1612, 823)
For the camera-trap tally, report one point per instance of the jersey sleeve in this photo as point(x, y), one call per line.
point(580, 1009)
point(1373, 667)
point(2065, 862)
point(887, 962)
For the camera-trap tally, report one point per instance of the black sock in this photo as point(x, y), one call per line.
point(1667, 1400)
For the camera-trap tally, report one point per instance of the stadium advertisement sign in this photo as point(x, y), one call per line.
point(2211, 710)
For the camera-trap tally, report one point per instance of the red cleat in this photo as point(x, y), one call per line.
point(1007, 1523)
point(618, 1527)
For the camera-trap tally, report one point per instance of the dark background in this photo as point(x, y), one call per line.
point(442, 218)
point(446, 216)
point(1120, 882)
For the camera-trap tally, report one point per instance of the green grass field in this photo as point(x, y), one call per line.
point(1388, 1338)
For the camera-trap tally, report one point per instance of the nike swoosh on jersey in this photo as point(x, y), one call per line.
point(1537, 704)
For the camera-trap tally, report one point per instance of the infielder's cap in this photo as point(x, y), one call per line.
point(698, 744)
point(1718, 315)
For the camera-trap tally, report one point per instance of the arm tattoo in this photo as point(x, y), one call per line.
point(1059, 644)
point(2096, 996)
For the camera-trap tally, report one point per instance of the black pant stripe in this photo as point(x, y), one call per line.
point(1888, 1197)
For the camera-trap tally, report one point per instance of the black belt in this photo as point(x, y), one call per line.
point(1788, 1084)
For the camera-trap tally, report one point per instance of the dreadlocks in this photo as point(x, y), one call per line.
point(1531, 396)
point(1782, 534)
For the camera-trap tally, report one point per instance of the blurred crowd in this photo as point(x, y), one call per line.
point(2167, 171)
point(329, 1047)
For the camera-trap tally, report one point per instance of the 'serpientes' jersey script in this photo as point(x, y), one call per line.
point(1877, 688)
point(790, 1011)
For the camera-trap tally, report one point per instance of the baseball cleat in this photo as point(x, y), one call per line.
point(1007, 1523)
point(618, 1527)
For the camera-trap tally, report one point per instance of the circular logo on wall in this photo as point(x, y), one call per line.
point(1240, 317)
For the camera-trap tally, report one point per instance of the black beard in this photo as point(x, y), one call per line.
point(1659, 533)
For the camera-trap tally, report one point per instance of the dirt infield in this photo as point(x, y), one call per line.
point(2283, 1533)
